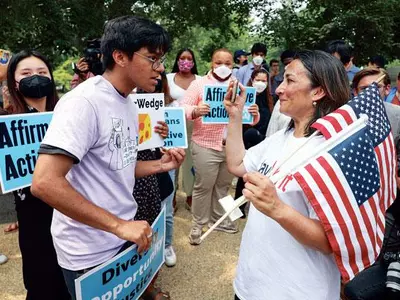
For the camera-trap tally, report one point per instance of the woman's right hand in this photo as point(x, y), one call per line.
point(202, 109)
point(235, 110)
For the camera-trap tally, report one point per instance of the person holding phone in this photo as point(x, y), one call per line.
point(212, 179)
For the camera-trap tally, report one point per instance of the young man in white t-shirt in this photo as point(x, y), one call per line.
point(87, 164)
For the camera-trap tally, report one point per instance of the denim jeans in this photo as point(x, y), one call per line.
point(169, 213)
point(70, 276)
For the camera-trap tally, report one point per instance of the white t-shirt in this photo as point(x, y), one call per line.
point(175, 90)
point(272, 264)
point(98, 126)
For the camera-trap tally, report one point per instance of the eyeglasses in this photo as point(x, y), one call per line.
point(155, 62)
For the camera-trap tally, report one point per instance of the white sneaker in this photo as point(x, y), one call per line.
point(3, 259)
point(170, 256)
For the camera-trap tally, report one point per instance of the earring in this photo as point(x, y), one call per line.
point(314, 103)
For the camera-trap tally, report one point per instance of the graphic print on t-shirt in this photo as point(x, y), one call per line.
point(124, 151)
point(267, 170)
point(144, 128)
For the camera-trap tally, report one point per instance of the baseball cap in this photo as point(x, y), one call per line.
point(239, 53)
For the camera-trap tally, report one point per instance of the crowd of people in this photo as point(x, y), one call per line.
point(84, 206)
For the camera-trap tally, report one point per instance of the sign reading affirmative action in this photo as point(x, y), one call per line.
point(214, 96)
point(127, 275)
point(151, 110)
point(20, 138)
point(176, 120)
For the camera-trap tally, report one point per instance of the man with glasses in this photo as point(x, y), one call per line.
point(86, 168)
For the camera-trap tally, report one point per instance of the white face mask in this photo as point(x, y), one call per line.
point(223, 72)
point(257, 60)
point(260, 86)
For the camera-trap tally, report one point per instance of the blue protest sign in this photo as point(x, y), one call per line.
point(128, 274)
point(214, 96)
point(20, 138)
point(176, 120)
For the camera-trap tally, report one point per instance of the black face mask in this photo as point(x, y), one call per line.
point(36, 86)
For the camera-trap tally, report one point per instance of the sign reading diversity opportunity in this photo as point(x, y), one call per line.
point(127, 275)
point(151, 110)
point(20, 138)
point(176, 120)
point(214, 96)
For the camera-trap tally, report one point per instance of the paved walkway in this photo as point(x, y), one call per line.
point(203, 272)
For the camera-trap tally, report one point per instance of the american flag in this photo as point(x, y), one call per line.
point(351, 186)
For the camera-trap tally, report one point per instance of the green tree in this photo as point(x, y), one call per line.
point(59, 29)
point(370, 26)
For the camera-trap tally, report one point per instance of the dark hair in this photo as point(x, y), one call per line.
point(327, 72)
point(272, 61)
point(344, 50)
point(378, 60)
point(175, 68)
point(255, 73)
point(369, 72)
point(287, 54)
point(398, 77)
point(259, 47)
point(165, 89)
point(129, 34)
point(225, 50)
point(18, 104)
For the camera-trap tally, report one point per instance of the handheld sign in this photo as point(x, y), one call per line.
point(151, 110)
point(20, 138)
point(214, 96)
point(127, 275)
point(176, 120)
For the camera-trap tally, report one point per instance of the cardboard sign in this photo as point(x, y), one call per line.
point(127, 275)
point(176, 120)
point(20, 138)
point(151, 110)
point(214, 96)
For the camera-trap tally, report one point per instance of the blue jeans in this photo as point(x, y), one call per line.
point(169, 213)
point(70, 276)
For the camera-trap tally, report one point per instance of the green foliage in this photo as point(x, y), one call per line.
point(63, 74)
point(370, 26)
point(59, 29)
point(204, 41)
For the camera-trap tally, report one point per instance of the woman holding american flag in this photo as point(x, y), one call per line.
point(285, 251)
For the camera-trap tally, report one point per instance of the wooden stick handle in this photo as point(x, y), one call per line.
point(238, 203)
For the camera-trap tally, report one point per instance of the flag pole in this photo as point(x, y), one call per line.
point(346, 132)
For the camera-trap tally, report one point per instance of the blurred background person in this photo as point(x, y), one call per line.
point(240, 58)
point(394, 94)
point(89, 65)
point(258, 53)
point(184, 72)
point(253, 135)
point(377, 61)
point(344, 52)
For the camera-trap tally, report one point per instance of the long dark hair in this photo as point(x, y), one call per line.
point(175, 68)
point(18, 104)
point(325, 71)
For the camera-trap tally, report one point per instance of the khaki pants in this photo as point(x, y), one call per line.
point(212, 182)
point(187, 165)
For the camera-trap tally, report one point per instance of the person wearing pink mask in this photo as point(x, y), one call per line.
point(183, 73)
point(212, 178)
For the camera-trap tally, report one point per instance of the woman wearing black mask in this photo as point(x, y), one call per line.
point(32, 89)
